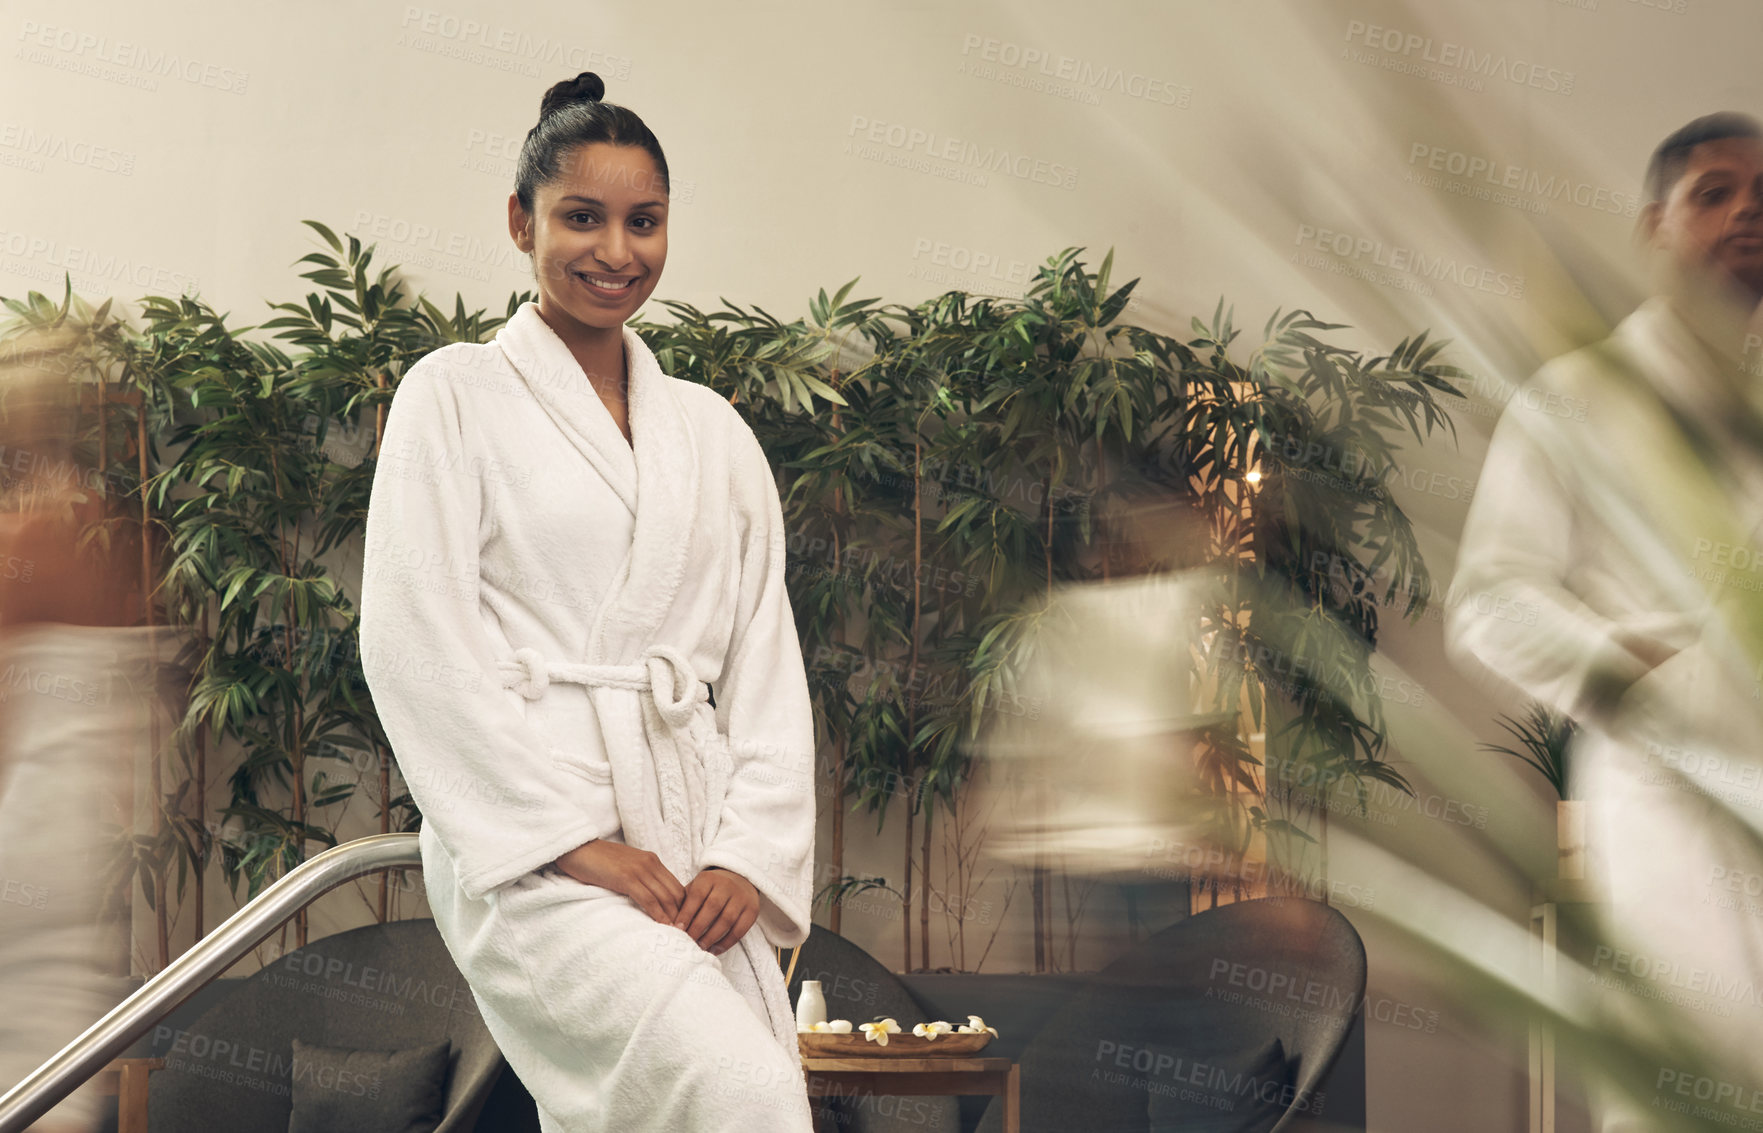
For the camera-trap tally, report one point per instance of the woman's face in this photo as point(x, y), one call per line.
point(603, 220)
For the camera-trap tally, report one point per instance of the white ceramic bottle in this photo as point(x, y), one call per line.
point(810, 1005)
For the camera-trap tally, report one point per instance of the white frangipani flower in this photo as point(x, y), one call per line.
point(931, 1030)
point(878, 1032)
point(974, 1026)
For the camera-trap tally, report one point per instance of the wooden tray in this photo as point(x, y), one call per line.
point(821, 1044)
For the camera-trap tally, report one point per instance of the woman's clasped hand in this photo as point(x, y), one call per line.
point(715, 910)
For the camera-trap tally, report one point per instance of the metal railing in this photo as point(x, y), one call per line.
point(104, 1040)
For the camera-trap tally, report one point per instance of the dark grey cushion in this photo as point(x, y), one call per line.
point(1192, 1091)
point(339, 1090)
point(380, 986)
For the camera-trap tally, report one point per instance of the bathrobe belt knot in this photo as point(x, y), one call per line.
point(665, 674)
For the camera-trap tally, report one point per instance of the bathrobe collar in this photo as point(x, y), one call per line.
point(655, 474)
point(1690, 376)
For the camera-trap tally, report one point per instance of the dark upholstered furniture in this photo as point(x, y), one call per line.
point(381, 987)
point(1052, 1024)
point(1187, 1017)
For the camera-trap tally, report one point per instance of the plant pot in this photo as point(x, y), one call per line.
point(1571, 850)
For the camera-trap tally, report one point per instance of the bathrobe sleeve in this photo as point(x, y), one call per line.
point(768, 817)
point(1510, 605)
point(485, 780)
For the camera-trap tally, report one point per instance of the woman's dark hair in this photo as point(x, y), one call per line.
point(572, 115)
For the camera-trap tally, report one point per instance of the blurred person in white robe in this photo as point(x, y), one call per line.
point(1610, 568)
point(1093, 765)
point(72, 721)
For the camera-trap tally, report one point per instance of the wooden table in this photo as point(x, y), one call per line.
point(1545, 927)
point(918, 1077)
point(127, 1079)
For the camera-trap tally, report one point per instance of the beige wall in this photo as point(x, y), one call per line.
point(1259, 150)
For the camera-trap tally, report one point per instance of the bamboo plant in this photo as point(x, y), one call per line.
point(944, 466)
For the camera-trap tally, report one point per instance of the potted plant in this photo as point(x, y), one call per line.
point(1543, 738)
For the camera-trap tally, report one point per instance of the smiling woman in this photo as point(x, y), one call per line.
point(593, 217)
point(609, 851)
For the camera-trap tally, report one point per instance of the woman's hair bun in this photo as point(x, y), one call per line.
point(585, 87)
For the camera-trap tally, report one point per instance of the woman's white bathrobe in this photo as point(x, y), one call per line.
point(541, 607)
point(1644, 518)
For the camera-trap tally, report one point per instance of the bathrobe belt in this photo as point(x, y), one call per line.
point(675, 690)
point(665, 674)
point(691, 770)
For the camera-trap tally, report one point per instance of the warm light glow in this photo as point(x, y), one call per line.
point(1254, 477)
